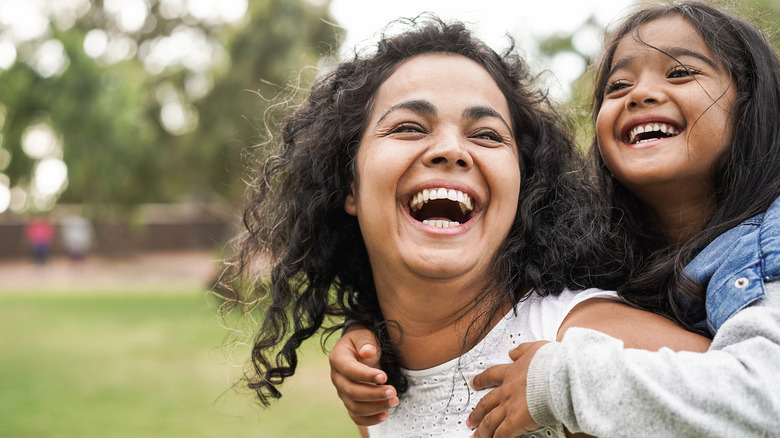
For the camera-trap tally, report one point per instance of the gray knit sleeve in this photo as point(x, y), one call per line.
point(537, 388)
point(596, 386)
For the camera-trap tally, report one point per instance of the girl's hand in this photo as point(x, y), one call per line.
point(354, 371)
point(503, 412)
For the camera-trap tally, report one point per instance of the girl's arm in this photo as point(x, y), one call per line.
point(355, 372)
point(635, 327)
point(590, 383)
point(505, 411)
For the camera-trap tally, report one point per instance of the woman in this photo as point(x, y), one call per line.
point(425, 192)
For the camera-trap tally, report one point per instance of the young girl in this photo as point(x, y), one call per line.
point(687, 105)
point(425, 192)
point(708, 86)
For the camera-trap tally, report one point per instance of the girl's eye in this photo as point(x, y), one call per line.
point(681, 71)
point(616, 85)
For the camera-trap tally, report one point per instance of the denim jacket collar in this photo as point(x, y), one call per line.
point(736, 264)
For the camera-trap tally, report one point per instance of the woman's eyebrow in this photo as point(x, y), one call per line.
point(422, 107)
point(479, 112)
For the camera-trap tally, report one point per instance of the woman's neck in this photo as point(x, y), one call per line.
point(433, 319)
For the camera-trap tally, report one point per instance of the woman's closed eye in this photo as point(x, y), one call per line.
point(488, 135)
point(407, 128)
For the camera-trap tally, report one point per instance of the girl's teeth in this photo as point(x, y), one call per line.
point(657, 127)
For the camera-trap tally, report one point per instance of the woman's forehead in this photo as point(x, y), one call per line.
point(439, 78)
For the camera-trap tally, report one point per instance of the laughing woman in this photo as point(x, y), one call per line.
point(425, 192)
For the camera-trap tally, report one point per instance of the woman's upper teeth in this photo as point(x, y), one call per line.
point(665, 129)
point(422, 197)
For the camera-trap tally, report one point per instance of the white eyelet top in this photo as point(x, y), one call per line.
point(439, 399)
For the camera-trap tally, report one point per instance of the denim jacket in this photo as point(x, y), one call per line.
point(736, 264)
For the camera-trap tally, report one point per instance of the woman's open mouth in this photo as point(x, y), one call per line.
point(440, 207)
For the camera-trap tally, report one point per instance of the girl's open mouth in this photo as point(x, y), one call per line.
point(651, 131)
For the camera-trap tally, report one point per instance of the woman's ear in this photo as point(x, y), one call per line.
point(350, 203)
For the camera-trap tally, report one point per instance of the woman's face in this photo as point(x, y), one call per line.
point(664, 121)
point(438, 173)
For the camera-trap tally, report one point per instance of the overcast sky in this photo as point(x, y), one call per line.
point(492, 20)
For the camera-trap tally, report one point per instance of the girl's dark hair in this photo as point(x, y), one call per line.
point(296, 218)
point(747, 173)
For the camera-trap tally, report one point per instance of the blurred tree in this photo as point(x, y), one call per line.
point(269, 59)
point(142, 101)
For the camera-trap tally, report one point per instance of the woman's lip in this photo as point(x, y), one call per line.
point(449, 231)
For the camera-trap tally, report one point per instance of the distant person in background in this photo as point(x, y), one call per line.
point(40, 233)
point(76, 236)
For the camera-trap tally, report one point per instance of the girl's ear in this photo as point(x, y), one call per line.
point(350, 203)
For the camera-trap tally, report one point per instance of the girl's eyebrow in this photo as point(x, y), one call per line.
point(425, 108)
point(672, 52)
point(679, 52)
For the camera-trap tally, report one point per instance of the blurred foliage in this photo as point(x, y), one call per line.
point(267, 62)
point(109, 115)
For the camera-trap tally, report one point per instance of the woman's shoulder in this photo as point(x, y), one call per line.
point(542, 315)
point(568, 298)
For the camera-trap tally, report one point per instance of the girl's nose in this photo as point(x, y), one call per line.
point(633, 103)
point(644, 95)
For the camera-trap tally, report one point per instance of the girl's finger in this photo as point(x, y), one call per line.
point(490, 378)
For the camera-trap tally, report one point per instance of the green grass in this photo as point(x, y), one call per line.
point(131, 364)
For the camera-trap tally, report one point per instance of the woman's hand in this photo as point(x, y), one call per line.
point(354, 371)
point(503, 412)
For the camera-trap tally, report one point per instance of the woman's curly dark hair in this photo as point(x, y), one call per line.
point(320, 268)
point(747, 173)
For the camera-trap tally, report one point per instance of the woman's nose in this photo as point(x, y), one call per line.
point(448, 150)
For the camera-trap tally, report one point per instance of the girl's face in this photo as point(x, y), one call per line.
point(438, 172)
point(664, 121)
